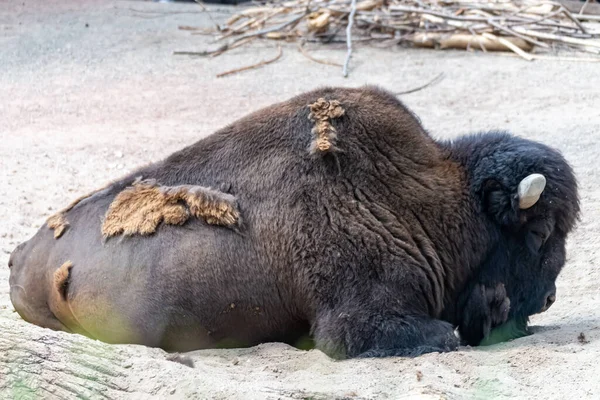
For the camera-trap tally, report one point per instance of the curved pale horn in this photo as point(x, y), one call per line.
point(530, 190)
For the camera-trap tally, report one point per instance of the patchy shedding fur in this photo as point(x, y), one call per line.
point(58, 222)
point(140, 208)
point(321, 112)
point(61, 279)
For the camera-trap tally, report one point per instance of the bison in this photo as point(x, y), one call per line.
point(333, 214)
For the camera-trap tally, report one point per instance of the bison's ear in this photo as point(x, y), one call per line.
point(500, 202)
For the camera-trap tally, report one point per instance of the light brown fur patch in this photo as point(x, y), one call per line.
point(58, 222)
point(321, 112)
point(61, 279)
point(140, 208)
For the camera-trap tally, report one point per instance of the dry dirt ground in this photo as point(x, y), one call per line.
point(89, 91)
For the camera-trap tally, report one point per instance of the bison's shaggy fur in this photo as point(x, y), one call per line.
point(531, 249)
point(381, 247)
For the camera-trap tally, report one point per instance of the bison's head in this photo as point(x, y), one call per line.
point(529, 192)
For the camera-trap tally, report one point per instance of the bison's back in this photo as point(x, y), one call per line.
point(272, 147)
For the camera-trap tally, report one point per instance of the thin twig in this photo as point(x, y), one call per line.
point(233, 46)
point(260, 64)
point(190, 28)
point(405, 10)
point(588, 17)
point(349, 38)
point(437, 79)
point(509, 45)
point(510, 25)
point(204, 9)
point(229, 45)
point(203, 53)
point(538, 20)
point(550, 36)
point(517, 34)
point(583, 7)
point(268, 30)
point(325, 62)
point(575, 20)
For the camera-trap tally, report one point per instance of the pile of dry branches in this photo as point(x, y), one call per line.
point(489, 25)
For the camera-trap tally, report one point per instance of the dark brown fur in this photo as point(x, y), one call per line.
point(368, 249)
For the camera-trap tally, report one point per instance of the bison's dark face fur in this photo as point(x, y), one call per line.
point(333, 214)
point(530, 250)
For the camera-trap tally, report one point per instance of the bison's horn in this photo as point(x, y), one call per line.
point(530, 190)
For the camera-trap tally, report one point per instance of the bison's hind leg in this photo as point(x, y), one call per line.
point(361, 334)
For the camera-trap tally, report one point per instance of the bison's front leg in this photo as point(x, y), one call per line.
point(483, 308)
point(360, 332)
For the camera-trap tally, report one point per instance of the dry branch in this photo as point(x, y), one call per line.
point(463, 41)
point(438, 78)
point(517, 26)
point(509, 45)
point(349, 36)
point(260, 64)
point(317, 60)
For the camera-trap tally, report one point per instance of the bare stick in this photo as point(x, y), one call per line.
point(481, 45)
point(461, 41)
point(201, 53)
point(227, 46)
point(190, 28)
point(204, 9)
point(438, 78)
point(535, 21)
point(550, 36)
point(237, 44)
point(405, 9)
point(349, 37)
point(575, 20)
point(325, 62)
point(260, 64)
point(509, 45)
point(517, 34)
point(584, 7)
point(587, 17)
point(272, 29)
point(509, 26)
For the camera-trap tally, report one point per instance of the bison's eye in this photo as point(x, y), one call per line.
point(536, 239)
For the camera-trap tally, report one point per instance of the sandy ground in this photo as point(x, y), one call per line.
point(90, 91)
